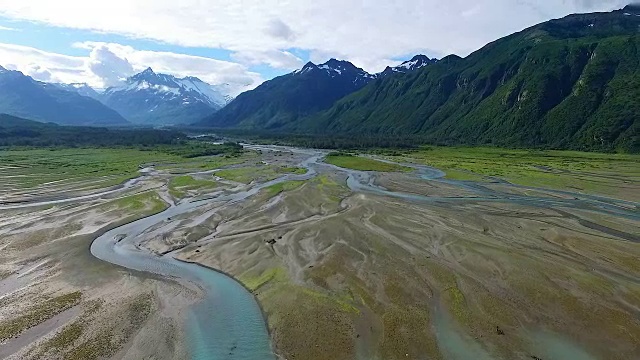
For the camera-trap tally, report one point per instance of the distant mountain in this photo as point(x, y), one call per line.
point(282, 100)
point(22, 96)
point(15, 131)
point(567, 83)
point(417, 62)
point(159, 99)
point(80, 88)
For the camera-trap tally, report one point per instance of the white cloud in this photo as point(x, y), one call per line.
point(366, 32)
point(106, 64)
point(44, 66)
point(279, 29)
point(5, 28)
point(275, 58)
point(109, 67)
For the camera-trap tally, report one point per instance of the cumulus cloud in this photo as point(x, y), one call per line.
point(371, 32)
point(108, 66)
point(108, 63)
point(213, 71)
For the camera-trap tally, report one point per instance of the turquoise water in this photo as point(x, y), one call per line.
point(554, 347)
point(456, 345)
point(228, 322)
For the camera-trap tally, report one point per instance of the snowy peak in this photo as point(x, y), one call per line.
point(306, 68)
point(190, 89)
point(337, 69)
point(162, 99)
point(81, 88)
point(415, 63)
point(146, 74)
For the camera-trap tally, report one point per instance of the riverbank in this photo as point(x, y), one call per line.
point(344, 264)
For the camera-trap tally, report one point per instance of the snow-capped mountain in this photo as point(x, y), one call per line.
point(281, 101)
point(339, 68)
point(415, 63)
point(81, 88)
point(160, 99)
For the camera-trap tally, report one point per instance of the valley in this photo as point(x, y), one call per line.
point(439, 253)
point(268, 180)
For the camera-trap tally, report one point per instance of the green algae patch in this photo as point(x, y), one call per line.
point(38, 314)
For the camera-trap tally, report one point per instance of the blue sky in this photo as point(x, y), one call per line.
point(242, 42)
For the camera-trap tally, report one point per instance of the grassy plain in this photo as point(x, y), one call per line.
point(362, 164)
point(179, 185)
point(246, 175)
point(607, 174)
point(149, 201)
point(32, 168)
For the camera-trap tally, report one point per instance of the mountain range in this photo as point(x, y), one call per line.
point(159, 99)
point(23, 96)
point(569, 83)
point(282, 101)
point(146, 98)
point(566, 83)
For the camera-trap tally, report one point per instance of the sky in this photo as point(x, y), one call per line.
point(242, 43)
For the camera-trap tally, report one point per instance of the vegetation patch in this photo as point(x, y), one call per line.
point(363, 164)
point(38, 314)
point(407, 331)
point(99, 346)
point(277, 274)
point(283, 186)
point(565, 170)
point(149, 200)
point(178, 186)
point(246, 175)
point(64, 338)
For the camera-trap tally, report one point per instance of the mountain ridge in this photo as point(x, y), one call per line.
point(160, 99)
point(569, 83)
point(22, 96)
point(572, 82)
point(281, 101)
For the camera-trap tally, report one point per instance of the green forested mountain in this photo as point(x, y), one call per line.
point(567, 83)
point(279, 102)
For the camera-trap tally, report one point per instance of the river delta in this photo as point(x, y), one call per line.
point(284, 254)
